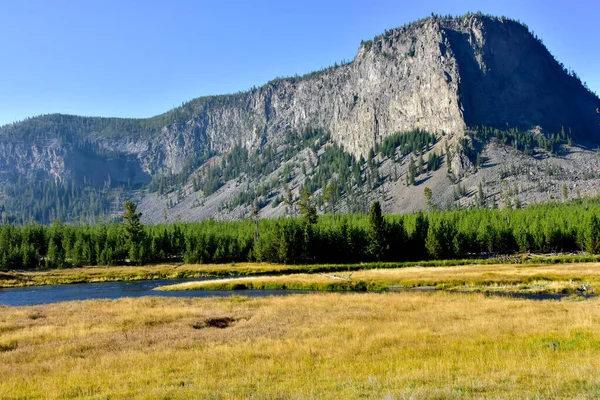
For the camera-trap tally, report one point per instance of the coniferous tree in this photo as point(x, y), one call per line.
point(289, 200)
point(419, 235)
point(448, 158)
point(306, 207)
point(329, 198)
point(134, 232)
point(378, 246)
point(428, 195)
point(433, 162)
point(480, 195)
point(56, 254)
point(440, 241)
point(592, 235)
point(412, 171)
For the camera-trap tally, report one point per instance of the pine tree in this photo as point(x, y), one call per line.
point(134, 232)
point(329, 198)
point(441, 240)
point(289, 200)
point(378, 246)
point(428, 195)
point(307, 208)
point(517, 203)
point(480, 195)
point(55, 257)
point(412, 171)
point(494, 203)
point(419, 235)
point(255, 213)
point(448, 158)
point(592, 235)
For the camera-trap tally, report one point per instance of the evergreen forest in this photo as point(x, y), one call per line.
point(543, 228)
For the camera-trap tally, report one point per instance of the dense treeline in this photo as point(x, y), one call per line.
point(341, 239)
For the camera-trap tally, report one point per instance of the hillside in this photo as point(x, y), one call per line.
point(473, 101)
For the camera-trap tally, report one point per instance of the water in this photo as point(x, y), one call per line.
point(34, 295)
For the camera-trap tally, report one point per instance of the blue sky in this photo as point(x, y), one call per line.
point(127, 58)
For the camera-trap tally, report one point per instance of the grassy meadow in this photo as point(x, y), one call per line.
point(324, 345)
point(56, 276)
point(509, 278)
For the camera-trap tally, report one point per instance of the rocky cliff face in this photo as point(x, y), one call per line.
point(404, 80)
point(439, 74)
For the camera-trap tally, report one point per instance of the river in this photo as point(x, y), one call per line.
point(34, 295)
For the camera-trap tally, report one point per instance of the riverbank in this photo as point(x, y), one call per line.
point(133, 273)
point(519, 278)
point(183, 271)
point(394, 345)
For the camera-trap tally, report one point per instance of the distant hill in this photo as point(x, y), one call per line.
point(473, 107)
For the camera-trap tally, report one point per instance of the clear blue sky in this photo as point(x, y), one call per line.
point(127, 58)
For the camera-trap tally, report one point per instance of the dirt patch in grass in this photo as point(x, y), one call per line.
point(218, 322)
point(36, 315)
point(5, 347)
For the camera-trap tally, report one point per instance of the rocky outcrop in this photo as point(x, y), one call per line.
point(41, 159)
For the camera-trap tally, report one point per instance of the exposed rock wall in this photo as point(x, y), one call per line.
point(41, 159)
point(441, 75)
point(406, 80)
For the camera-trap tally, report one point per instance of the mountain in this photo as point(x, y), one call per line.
point(453, 104)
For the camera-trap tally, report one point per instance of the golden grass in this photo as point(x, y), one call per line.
point(519, 278)
point(178, 271)
point(395, 345)
point(131, 273)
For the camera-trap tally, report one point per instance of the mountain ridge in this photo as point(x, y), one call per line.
point(441, 75)
point(210, 98)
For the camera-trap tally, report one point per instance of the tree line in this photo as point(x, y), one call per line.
point(310, 238)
